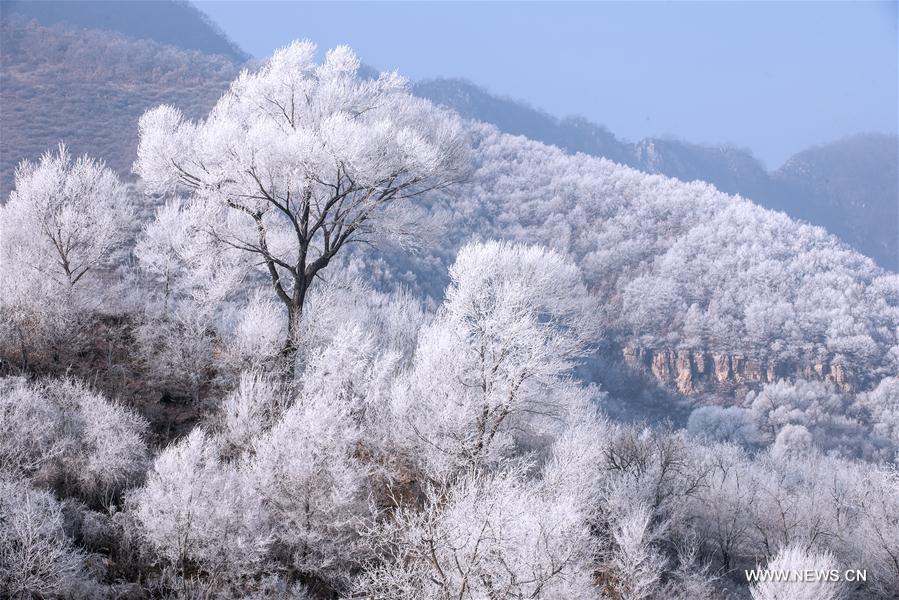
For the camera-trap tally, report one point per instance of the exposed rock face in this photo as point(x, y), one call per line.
point(692, 372)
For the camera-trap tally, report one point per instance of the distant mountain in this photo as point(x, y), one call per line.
point(89, 88)
point(850, 186)
point(174, 23)
point(731, 170)
point(517, 118)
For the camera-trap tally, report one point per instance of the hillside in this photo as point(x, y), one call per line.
point(849, 187)
point(517, 118)
point(175, 23)
point(88, 88)
point(332, 341)
point(686, 272)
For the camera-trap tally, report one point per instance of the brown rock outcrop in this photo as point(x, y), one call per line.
point(693, 371)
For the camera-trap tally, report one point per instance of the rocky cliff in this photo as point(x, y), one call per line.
point(693, 372)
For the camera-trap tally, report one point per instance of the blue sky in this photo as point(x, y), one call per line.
point(771, 77)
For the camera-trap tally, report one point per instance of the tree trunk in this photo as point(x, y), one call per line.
point(294, 317)
point(23, 348)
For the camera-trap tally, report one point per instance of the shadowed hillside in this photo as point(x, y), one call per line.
point(175, 23)
point(88, 88)
point(849, 187)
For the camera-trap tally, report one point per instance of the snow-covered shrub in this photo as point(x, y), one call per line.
point(258, 335)
point(312, 485)
point(177, 346)
point(197, 510)
point(37, 558)
point(59, 432)
point(30, 435)
point(251, 409)
point(798, 559)
point(493, 535)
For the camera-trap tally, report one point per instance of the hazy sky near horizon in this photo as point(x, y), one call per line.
point(771, 77)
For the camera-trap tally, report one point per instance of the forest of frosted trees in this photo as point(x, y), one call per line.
point(337, 342)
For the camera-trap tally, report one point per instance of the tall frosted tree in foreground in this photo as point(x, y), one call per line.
point(299, 159)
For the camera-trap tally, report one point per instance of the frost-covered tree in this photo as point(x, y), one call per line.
point(571, 470)
point(657, 468)
point(485, 536)
point(874, 542)
point(633, 564)
point(37, 558)
point(494, 368)
point(721, 507)
point(792, 440)
point(309, 477)
point(63, 221)
point(790, 487)
point(299, 159)
point(199, 512)
point(795, 558)
point(692, 579)
point(64, 217)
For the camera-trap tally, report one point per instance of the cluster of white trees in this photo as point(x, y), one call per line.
point(320, 487)
point(678, 265)
point(473, 464)
point(812, 414)
point(358, 442)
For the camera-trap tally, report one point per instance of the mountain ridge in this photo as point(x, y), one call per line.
point(731, 169)
point(849, 186)
point(174, 22)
